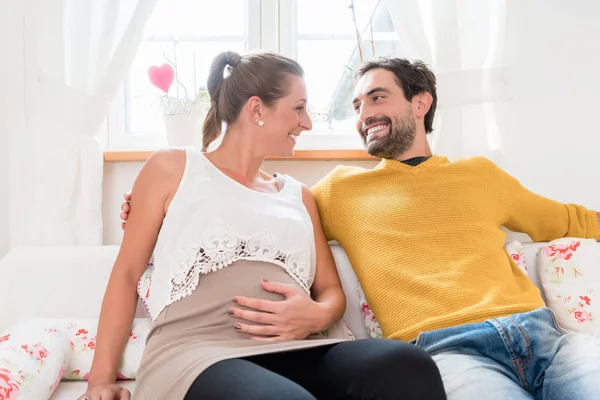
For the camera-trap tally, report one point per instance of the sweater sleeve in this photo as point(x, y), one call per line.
point(321, 192)
point(544, 219)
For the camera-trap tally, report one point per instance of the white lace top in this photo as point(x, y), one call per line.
point(213, 221)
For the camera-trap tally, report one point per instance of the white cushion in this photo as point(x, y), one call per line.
point(353, 315)
point(371, 323)
point(569, 270)
point(516, 252)
point(55, 282)
point(82, 334)
point(531, 253)
point(33, 358)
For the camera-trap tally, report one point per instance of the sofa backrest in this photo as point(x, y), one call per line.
point(54, 282)
point(69, 282)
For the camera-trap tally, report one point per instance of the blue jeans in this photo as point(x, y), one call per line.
point(522, 356)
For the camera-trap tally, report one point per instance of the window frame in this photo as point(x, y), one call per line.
point(263, 31)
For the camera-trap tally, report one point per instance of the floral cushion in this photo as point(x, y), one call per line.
point(33, 358)
point(369, 319)
point(514, 250)
point(569, 272)
point(82, 338)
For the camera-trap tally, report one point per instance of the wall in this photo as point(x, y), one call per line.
point(553, 143)
point(550, 140)
point(4, 243)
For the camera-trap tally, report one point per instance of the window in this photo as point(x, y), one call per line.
point(320, 34)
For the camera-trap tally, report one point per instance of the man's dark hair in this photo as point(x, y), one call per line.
point(414, 77)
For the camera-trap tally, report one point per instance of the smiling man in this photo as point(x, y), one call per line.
point(424, 237)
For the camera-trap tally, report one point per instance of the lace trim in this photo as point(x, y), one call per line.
point(220, 248)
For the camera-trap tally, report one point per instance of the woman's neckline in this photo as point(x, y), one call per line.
point(236, 183)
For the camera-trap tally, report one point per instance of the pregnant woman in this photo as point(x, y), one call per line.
point(243, 291)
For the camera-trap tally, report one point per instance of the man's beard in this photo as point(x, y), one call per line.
point(399, 139)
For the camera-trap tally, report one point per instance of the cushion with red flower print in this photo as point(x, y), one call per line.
point(371, 323)
point(517, 254)
point(33, 358)
point(82, 341)
point(569, 271)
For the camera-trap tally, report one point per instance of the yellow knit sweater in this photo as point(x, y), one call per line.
point(426, 241)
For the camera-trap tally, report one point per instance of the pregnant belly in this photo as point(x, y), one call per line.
point(205, 313)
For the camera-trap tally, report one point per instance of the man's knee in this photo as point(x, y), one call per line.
point(467, 376)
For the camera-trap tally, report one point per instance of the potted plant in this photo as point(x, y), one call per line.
point(183, 116)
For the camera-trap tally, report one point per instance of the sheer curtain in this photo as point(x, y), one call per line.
point(75, 55)
point(463, 41)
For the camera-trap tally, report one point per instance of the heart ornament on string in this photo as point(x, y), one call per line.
point(162, 77)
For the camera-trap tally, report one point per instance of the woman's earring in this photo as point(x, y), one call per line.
point(260, 123)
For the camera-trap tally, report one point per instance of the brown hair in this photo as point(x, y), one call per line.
point(262, 74)
point(413, 77)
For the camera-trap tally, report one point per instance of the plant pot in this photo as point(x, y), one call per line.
point(185, 129)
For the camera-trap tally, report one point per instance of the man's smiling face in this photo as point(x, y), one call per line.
point(384, 118)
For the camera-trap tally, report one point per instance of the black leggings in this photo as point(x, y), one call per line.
point(361, 369)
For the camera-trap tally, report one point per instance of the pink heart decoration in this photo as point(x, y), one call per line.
point(161, 77)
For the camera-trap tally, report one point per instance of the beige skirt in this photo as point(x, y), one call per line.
point(196, 332)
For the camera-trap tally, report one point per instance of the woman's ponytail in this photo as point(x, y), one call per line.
point(220, 69)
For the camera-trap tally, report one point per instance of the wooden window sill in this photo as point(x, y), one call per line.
point(113, 156)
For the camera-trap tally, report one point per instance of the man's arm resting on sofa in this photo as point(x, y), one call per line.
point(544, 219)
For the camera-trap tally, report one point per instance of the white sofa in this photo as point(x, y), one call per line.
point(69, 282)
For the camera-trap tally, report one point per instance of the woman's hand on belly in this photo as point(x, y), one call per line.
point(294, 318)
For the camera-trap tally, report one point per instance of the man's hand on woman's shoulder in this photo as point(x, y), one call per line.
point(125, 209)
point(168, 159)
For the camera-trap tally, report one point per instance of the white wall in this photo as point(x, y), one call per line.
point(553, 145)
point(551, 138)
point(3, 136)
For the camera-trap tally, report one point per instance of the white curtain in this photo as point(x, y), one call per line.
point(75, 55)
point(463, 42)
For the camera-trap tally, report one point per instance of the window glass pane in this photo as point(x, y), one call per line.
point(332, 16)
point(176, 18)
point(142, 98)
point(329, 62)
point(324, 62)
point(193, 60)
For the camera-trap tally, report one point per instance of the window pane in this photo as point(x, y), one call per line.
point(324, 62)
point(329, 63)
point(332, 16)
point(177, 18)
point(144, 113)
point(143, 99)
